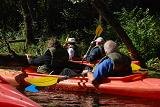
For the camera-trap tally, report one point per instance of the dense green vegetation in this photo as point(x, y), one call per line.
point(143, 29)
point(29, 19)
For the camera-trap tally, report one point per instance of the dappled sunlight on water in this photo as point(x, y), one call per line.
point(79, 99)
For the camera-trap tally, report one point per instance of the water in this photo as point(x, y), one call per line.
point(78, 99)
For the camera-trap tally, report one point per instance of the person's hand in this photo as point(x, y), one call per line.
point(84, 57)
point(84, 72)
point(29, 57)
point(92, 43)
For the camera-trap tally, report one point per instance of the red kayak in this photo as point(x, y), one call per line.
point(137, 85)
point(10, 97)
point(134, 85)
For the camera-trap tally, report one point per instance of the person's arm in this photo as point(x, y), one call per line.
point(90, 77)
point(38, 61)
point(44, 59)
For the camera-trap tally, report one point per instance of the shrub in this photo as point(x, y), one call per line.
point(143, 29)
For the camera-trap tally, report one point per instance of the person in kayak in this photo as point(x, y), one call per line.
point(113, 64)
point(96, 53)
point(54, 59)
point(72, 49)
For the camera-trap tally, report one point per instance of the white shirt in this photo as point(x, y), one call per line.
point(71, 52)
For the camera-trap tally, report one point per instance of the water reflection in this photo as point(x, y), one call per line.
point(77, 99)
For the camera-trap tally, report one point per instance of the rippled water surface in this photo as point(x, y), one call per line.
point(78, 99)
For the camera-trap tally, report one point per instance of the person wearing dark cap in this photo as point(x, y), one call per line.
point(54, 59)
point(96, 53)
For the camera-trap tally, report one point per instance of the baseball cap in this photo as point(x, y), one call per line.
point(71, 40)
point(99, 39)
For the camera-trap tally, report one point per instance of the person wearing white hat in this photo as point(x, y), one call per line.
point(100, 40)
point(72, 49)
point(71, 40)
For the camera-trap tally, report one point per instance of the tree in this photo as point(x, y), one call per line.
point(108, 16)
point(27, 21)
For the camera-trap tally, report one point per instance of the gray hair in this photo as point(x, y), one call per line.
point(110, 46)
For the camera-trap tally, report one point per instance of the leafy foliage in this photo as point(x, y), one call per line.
point(77, 18)
point(143, 29)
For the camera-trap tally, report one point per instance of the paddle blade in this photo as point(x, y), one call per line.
point(42, 81)
point(135, 67)
point(31, 88)
point(99, 30)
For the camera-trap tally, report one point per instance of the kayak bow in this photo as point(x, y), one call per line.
point(10, 97)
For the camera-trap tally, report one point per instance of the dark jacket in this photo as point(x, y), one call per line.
point(95, 54)
point(54, 58)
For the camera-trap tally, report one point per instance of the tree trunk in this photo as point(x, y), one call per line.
point(28, 22)
point(109, 17)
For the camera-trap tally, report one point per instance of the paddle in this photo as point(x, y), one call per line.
point(38, 81)
point(47, 80)
point(31, 88)
point(98, 32)
point(135, 67)
point(42, 81)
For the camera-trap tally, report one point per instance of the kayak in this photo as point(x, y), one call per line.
point(13, 77)
point(136, 85)
point(11, 97)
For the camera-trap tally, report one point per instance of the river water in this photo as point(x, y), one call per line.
point(79, 99)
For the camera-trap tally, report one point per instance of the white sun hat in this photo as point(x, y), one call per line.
point(71, 40)
point(99, 39)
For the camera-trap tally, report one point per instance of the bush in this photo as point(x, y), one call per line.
point(143, 29)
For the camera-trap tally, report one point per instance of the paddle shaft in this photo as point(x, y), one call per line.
point(90, 47)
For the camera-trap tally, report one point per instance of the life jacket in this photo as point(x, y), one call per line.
point(59, 56)
point(121, 64)
point(59, 59)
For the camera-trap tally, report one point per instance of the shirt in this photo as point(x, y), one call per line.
point(103, 69)
point(71, 52)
